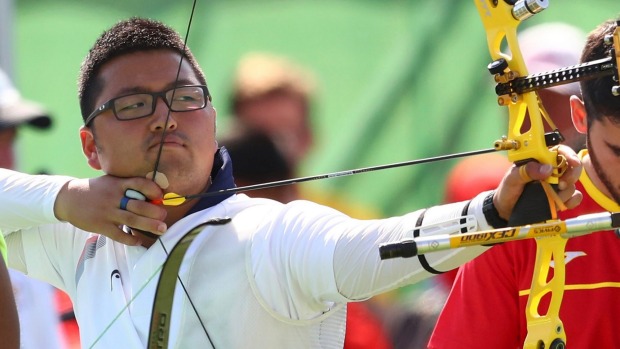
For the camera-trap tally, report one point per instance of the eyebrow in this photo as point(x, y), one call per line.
point(139, 89)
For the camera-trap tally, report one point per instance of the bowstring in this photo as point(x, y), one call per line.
point(159, 152)
point(156, 166)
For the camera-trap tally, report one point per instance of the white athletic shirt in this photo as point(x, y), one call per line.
point(276, 276)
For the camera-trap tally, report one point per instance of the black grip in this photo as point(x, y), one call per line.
point(615, 220)
point(532, 206)
point(404, 249)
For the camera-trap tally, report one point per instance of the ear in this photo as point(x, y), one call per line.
point(578, 114)
point(89, 148)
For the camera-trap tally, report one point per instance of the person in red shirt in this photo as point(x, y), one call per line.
point(486, 306)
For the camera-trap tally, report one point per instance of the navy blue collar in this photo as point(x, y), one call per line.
point(221, 178)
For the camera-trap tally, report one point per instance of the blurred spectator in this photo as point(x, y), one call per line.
point(271, 103)
point(39, 320)
point(550, 46)
point(274, 95)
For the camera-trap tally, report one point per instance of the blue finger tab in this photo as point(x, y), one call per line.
point(124, 202)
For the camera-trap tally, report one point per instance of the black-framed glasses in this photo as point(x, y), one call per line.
point(140, 105)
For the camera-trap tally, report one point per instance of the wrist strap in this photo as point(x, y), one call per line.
point(491, 214)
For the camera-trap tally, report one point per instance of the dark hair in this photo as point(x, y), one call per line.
point(262, 75)
point(597, 96)
point(127, 36)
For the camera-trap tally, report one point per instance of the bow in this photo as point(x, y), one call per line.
point(516, 90)
point(500, 19)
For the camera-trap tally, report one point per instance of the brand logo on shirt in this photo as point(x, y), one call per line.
point(115, 274)
point(569, 256)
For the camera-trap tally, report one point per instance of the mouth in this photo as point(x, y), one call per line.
point(168, 141)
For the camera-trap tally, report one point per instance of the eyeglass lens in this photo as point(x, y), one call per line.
point(180, 99)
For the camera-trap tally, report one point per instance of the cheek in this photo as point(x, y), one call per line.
point(118, 153)
point(607, 161)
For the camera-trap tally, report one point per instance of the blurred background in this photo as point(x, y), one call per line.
point(397, 80)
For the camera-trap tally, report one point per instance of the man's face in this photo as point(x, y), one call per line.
point(282, 116)
point(604, 148)
point(7, 153)
point(129, 148)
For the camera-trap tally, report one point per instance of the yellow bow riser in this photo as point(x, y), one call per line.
point(500, 20)
point(539, 202)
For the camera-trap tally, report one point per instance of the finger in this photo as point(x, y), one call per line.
point(124, 202)
point(537, 171)
point(575, 200)
point(569, 154)
point(142, 215)
point(570, 176)
point(117, 234)
point(569, 195)
point(145, 209)
point(137, 188)
point(140, 222)
point(524, 175)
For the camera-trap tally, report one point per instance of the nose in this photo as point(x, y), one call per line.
point(163, 118)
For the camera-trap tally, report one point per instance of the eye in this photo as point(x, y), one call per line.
point(187, 98)
point(128, 105)
point(616, 151)
point(188, 94)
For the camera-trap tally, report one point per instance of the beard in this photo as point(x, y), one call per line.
point(602, 175)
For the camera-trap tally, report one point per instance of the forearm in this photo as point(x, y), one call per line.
point(359, 271)
point(27, 200)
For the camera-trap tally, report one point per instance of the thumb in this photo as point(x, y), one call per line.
point(534, 171)
point(511, 187)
